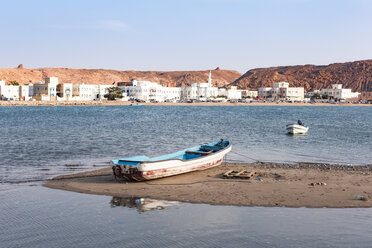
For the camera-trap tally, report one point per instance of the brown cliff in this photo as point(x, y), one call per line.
point(100, 76)
point(355, 75)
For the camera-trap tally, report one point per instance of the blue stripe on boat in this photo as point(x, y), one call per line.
point(176, 155)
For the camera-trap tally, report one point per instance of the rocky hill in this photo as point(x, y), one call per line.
point(99, 76)
point(355, 75)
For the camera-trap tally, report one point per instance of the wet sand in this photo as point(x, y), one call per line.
point(290, 185)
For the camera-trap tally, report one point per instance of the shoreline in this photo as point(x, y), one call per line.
point(126, 103)
point(276, 185)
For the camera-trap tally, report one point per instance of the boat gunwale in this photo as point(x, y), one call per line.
point(150, 162)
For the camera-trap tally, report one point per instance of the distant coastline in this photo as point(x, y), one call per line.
point(126, 103)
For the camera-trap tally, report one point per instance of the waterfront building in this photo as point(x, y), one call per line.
point(102, 90)
point(337, 92)
point(282, 91)
point(233, 93)
point(8, 92)
point(46, 91)
point(264, 93)
point(85, 92)
point(201, 91)
point(154, 92)
point(249, 93)
point(64, 91)
point(151, 92)
point(310, 94)
point(24, 92)
point(366, 96)
point(15, 92)
point(89, 92)
point(52, 90)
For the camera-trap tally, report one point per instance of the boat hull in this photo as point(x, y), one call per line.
point(154, 170)
point(296, 129)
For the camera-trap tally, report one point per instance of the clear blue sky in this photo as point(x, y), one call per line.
point(183, 34)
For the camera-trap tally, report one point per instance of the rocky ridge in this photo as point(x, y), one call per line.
point(100, 76)
point(355, 75)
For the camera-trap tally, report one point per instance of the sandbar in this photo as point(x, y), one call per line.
point(290, 185)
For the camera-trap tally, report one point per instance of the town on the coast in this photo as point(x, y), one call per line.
point(145, 91)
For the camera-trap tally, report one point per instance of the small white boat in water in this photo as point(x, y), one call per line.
point(142, 168)
point(297, 128)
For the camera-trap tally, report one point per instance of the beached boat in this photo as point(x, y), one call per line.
point(136, 104)
point(201, 157)
point(296, 129)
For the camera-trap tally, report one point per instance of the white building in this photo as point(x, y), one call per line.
point(8, 92)
point(24, 92)
point(233, 93)
point(250, 93)
point(282, 91)
point(151, 92)
point(15, 92)
point(52, 90)
point(89, 92)
point(85, 92)
point(337, 92)
point(198, 91)
point(265, 93)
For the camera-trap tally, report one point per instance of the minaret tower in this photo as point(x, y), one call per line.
point(210, 79)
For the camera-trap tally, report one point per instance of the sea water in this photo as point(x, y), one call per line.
point(42, 217)
point(38, 143)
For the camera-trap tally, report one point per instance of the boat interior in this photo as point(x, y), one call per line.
point(186, 154)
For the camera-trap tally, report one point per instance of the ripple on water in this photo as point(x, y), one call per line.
point(37, 142)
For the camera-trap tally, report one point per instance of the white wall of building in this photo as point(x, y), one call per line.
point(9, 92)
point(150, 91)
point(264, 93)
point(282, 91)
point(233, 93)
point(338, 92)
point(24, 92)
point(85, 92)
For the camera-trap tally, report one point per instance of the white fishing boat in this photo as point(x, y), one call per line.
point(297, 128)
point(201, 157)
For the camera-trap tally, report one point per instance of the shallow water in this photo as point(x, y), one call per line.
point(41, 142)
point(41, 217)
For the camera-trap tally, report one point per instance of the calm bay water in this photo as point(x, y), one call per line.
point(40, 142)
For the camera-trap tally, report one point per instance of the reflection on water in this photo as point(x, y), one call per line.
point(42, 217)
point(142, 204)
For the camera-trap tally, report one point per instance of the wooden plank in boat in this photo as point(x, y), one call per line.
point(198, 152)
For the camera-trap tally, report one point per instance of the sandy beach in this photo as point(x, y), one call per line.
point(126, 103)
point(290, 185)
